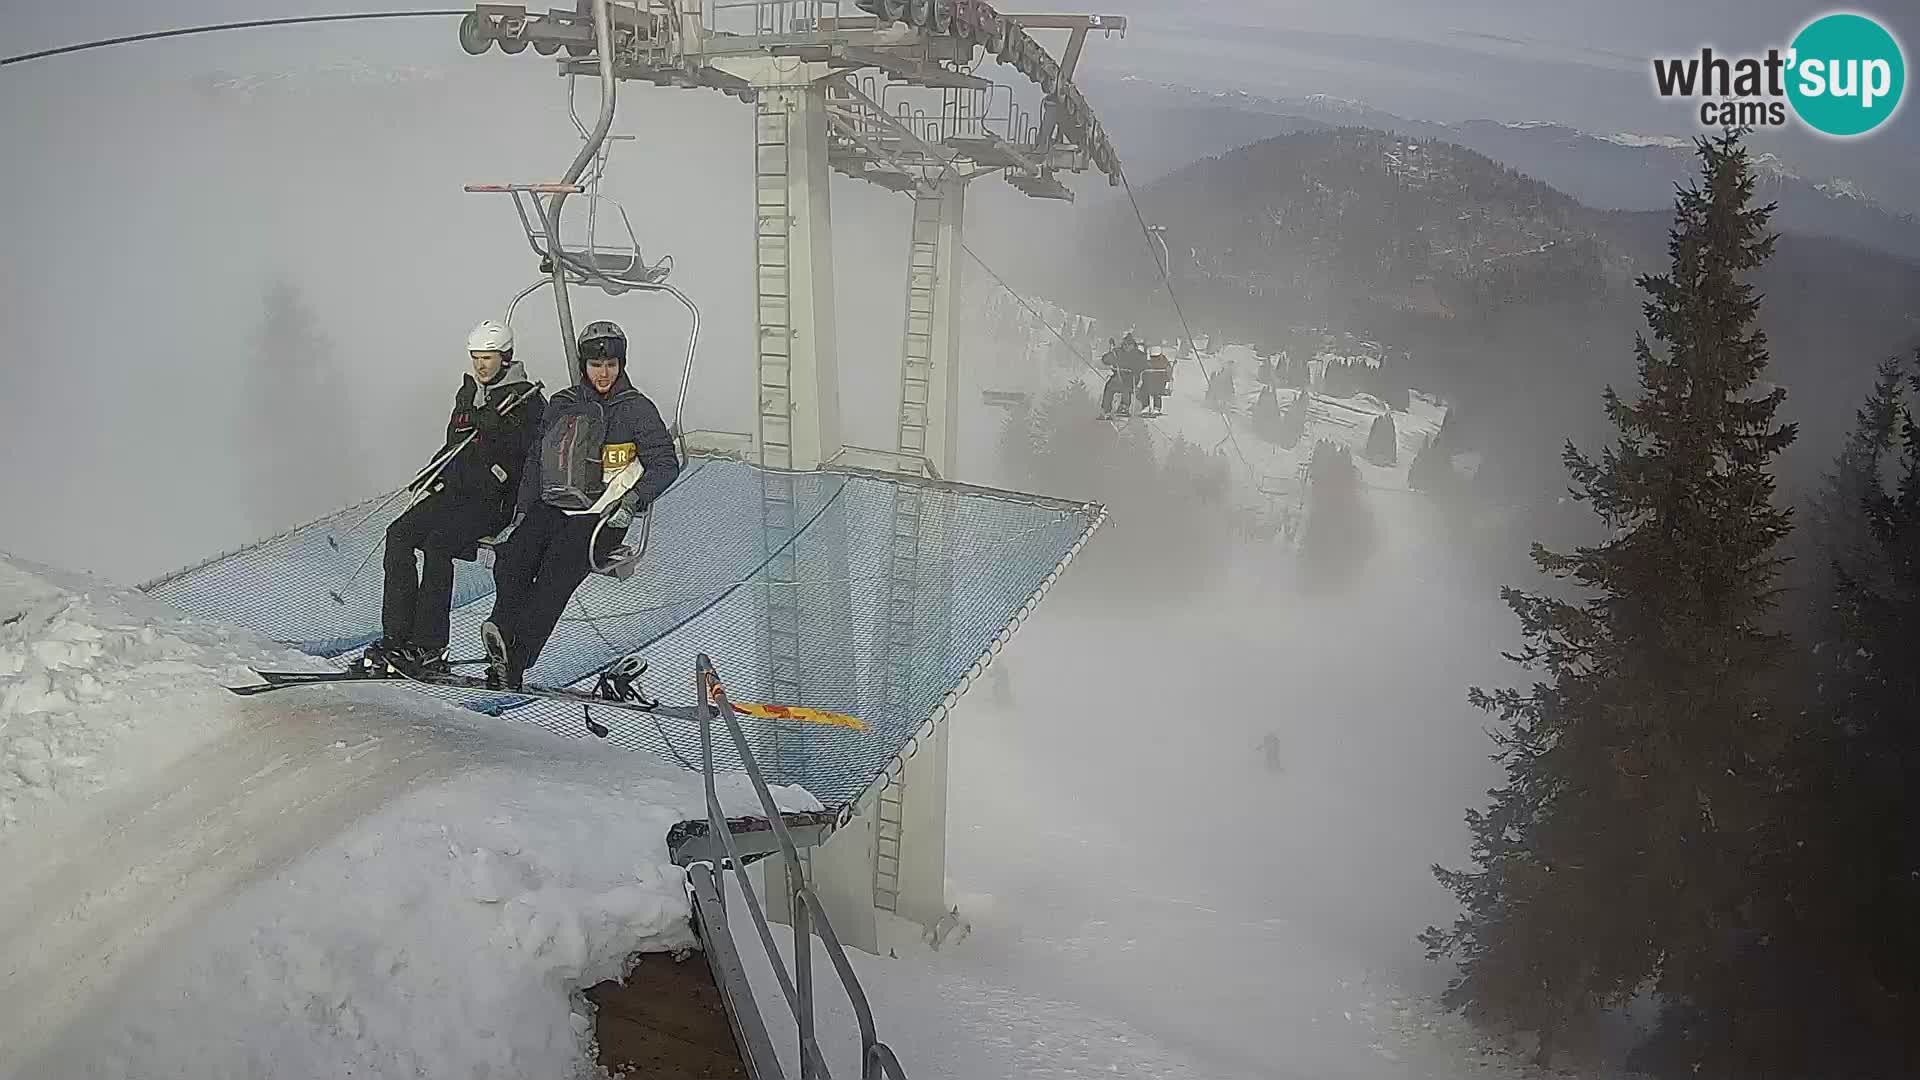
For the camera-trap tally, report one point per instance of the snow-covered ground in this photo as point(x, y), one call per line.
point(324, 882)
point(1262, 468)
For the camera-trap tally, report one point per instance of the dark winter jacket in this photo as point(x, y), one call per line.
point(490, 468)
point(1159, 376)
point(633, 430)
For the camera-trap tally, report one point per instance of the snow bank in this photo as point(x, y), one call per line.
point(440, 936)
point(93, 678)
point(332, 881)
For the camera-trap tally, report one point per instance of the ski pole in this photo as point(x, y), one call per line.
point(421, 486)
point(432, 468)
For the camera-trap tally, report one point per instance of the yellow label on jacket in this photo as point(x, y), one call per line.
point(614, 457)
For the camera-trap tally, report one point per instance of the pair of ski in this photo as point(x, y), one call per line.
point(628, 701)
point(282, 680)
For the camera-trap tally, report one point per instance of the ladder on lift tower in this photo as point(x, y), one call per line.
point(773, 298)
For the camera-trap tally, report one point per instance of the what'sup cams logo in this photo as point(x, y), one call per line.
point(1843, 75)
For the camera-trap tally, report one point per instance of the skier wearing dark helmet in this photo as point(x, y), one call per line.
point(594, 432)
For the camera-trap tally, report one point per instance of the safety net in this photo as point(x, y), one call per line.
point(870, 595)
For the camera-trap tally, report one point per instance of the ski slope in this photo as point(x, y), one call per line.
point(1264, 470)
point(351, 881)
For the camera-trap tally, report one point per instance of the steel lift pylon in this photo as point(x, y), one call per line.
point(883, 91)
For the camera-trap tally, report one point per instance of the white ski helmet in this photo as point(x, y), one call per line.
point(490, 336)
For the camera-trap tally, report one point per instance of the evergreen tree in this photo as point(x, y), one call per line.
point(1293, 422)
point(1641, 767)
point(1338, 536)
point(1432, 469)
point(305, 460)
point(1846, 554)
point(1267, 417)
point(1221, 393)
point(1340, 379)
point(1293, 373)
point(1383, 441)
point(1844, 970)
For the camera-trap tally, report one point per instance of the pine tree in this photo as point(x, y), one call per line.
point(1293, 422)
point(1383, 441)
point(1432, 469)
point(305, 460)
point(1641, 766)
point(1267, 417)
point(1850, 940)
point(1839, 528)
point(1293, 374)
point(1338, 535)
point(1221, 393)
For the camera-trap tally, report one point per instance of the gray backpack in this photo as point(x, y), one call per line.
point(571, 451)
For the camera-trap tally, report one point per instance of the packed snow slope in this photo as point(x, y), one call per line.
point(341, 881)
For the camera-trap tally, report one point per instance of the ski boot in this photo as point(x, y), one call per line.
point(420, 662)
point(501, 674)
point(620, 681)
point(377, 662)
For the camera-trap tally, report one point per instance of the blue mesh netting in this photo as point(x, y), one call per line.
point(877, 600)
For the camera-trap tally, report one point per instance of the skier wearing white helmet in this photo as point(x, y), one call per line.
point(471, 497)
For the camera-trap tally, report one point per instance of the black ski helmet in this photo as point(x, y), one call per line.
point(601, 340)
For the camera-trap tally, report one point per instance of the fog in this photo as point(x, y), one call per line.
point(237, 300)
point(169, 410)
point(1118, 833)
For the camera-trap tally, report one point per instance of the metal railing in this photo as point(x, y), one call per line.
point(877, 1060)
point(769, 18)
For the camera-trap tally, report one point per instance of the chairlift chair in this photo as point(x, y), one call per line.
point(613, 265)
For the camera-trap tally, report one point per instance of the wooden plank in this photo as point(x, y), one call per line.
point(666, 1022)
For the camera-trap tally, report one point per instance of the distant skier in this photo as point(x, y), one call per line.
point(1154, 384)
point(1128, 359)
point(470, 498)
point(1270, 747)
point(593, 431)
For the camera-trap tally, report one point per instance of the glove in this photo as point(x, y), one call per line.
point(620, 518)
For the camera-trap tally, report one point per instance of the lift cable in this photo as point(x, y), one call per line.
point(1044, 321)
point(1166, 279)
point(249, 24)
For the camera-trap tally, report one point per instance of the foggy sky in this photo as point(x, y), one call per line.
point(1568, 61)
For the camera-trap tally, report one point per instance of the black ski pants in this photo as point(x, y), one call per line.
point(415, 606)
point(535, 573)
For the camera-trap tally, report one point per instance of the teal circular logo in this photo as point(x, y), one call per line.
point(1846, 76)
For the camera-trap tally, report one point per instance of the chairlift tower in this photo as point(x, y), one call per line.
point(882, 91)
